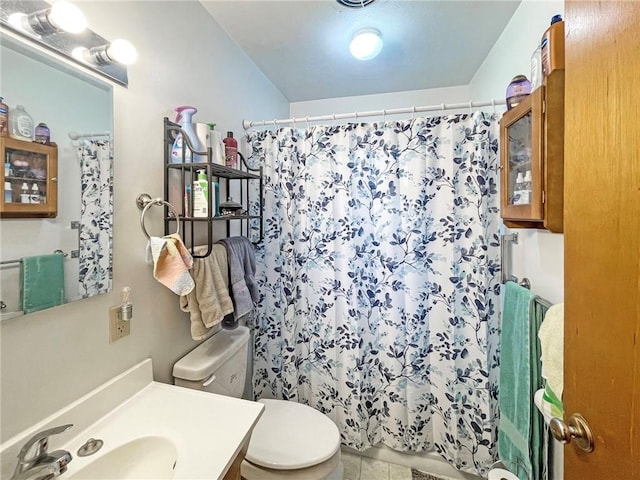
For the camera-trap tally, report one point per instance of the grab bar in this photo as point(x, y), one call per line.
point(145, 202)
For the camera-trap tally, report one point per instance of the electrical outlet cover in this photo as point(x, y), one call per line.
point(118, 328)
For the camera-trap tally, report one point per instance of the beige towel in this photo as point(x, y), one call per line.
point(209, 301)
point(171, 263)
point(551, 334)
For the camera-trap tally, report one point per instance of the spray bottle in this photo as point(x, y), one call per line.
point(185, 119)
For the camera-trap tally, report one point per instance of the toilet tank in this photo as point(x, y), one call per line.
point(217, 365)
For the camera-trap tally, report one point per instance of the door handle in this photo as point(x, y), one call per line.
point(577, 430)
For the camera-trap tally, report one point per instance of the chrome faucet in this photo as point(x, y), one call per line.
point(42, 465)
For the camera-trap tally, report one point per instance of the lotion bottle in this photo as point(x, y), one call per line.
point(201, 196)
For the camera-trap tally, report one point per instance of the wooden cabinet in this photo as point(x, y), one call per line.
point(29, 176)
point(532, 158)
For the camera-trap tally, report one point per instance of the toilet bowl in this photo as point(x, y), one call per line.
point(290, 441)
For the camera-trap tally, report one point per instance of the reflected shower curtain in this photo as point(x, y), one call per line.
point(379, 281)
point(96, 217)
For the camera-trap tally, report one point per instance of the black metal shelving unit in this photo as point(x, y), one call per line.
point(178, 175)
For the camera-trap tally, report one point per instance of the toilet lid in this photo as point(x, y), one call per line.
point(290, 435)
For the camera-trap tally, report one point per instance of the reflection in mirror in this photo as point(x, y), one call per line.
point(32, 277)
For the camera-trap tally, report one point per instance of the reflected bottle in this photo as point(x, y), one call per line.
point(517, 90)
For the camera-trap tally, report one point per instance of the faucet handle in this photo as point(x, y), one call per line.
point(42, 440)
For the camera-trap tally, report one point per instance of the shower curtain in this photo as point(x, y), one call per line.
point(379, 281)
point(96, 217)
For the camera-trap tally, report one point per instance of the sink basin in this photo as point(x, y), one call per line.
point(149, 457)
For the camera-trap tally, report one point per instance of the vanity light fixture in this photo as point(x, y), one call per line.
point(63, 16)
point(118, 51)
point(366, 44)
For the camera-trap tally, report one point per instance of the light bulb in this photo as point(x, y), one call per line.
point(81, 54)
point(366, 44)
point(18, 21)
point(66, 16)
point(122, 51)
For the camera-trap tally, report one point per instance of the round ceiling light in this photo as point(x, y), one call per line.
point(366, 44)
point(355, 3)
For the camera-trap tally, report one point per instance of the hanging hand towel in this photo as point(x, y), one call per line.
point(42, 282)
point(209, 301)
point(171, 263)
point(519, 431)
point(242, 270)
point(551, 336)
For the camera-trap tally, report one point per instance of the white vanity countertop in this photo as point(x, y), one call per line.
point(207, 430)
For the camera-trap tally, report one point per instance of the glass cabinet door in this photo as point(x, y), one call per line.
point(521, 162)
point(29, 178)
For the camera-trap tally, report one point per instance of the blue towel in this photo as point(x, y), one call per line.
point(519, 431)
point(242, 270)
point(41, 282)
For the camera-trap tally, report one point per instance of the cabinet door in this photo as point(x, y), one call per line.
point(29, 175)
point(521, 134)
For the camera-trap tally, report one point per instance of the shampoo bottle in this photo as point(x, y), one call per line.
point(185, 119)
point(201, 196)
point(231, 151)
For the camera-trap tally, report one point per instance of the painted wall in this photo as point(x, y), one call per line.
point(52, 357)
point(538, 254)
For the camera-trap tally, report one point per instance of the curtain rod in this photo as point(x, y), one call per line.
point(76, 135)
point(247, 124)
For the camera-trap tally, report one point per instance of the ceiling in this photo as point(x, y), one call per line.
point(302, 46)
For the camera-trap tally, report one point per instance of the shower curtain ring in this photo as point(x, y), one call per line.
point(307, 120)
point(470, 107)
point(493, 104)
point(442, 108)
point(384, 116)
point(413, 112)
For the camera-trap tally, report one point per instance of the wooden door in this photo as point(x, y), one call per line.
point(602, 235)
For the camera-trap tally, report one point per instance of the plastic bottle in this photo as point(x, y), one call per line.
point(517, 190)
point(7, 169)
point(525, 193)
point(35, 194)
point(4, 118)
point(24, 193)
point(552, 46)
point(216, 198)
point(230, 151)
point(185, 119)
point(43, 135)
point(187, 197)
point(20, 124)
point(536, 69)
point(8, 192)
point(517, 90)
point(201, 196)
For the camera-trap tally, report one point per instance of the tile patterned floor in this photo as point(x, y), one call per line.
point(363, 468)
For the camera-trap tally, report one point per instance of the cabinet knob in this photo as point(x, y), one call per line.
point(54, 179)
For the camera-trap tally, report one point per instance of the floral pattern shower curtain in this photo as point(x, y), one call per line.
point(379, 281)
point(96, 217)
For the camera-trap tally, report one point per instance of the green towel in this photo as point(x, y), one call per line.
point(42, 282)
point(520, 444)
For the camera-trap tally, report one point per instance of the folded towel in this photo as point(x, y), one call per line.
point(242, 270)
point(209, 301)
point(42, 282)
point(520, 427)
point(551, 336)
point(171, 263)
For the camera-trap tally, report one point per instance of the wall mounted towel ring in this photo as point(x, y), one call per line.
point(145, 202)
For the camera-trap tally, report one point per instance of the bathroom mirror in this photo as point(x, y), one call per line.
point(55, 92)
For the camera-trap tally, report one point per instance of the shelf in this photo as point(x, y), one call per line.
point(25, 179)
point(245, 183)
point(216, 170)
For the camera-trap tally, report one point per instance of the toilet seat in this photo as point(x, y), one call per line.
point(291, 436)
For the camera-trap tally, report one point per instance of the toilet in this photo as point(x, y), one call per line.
point(290, 440)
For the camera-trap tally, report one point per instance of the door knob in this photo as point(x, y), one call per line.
point(577, 430)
